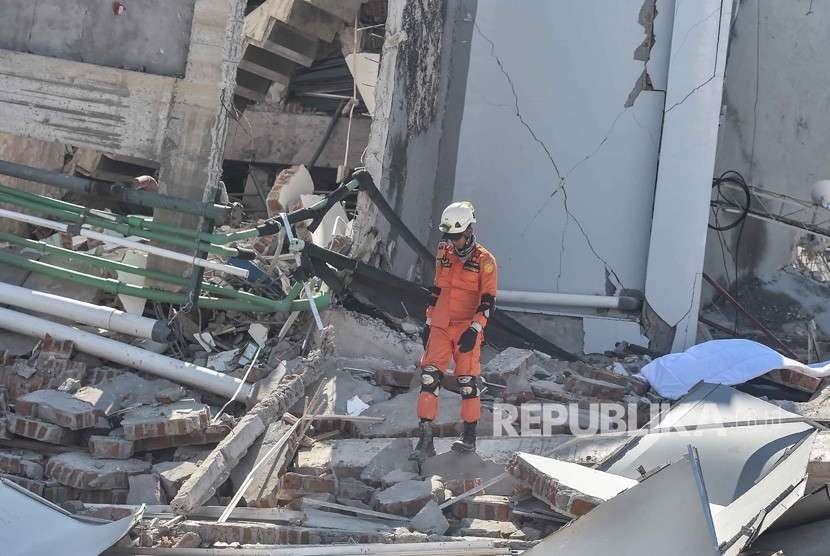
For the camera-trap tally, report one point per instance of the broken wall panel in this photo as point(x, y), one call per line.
point(687, 158)
point(670, 518)
point(151, 36)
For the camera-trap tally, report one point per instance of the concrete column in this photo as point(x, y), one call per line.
point(413, 140)
point(684, 179)
point(194, 140)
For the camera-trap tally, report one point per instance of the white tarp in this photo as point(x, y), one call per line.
point(31, 525)
point(727, 362)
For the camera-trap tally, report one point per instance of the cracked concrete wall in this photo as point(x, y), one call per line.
point(775, 119)
point(150, 36)
point(557, 152)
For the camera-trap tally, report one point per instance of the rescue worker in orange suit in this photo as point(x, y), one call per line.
point(463, 297)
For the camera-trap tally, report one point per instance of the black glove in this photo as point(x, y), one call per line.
point(467, 340)
point(425, 335)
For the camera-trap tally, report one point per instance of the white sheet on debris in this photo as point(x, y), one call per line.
point(727, 362)
point(31, 525)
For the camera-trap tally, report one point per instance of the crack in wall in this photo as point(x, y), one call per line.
point(714, 70)
point(648, 12)
point(561, 186)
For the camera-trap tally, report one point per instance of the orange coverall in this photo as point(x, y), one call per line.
point(464, 293)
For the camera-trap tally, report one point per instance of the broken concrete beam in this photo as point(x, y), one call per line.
point(59, 408)
point(211, 435)
point(394, 457)
point(40, 430)
point(23, 463)
point(510, 362)
point(484, 506)
point(264, 489)
point(110, 447)
point(269, 534)
point(430, 520)
point(145, 489)
point(358, 336)
point(568, 488)
point(173, 474)
point(400, 419)
point(395, 376)
point(590, 388)
point(217, 467)
point(80, 470)
point(486, 528)
point(175, 419)
point(405, 498)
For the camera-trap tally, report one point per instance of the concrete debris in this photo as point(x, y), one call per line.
point(145, 489)
point(105, 439)
point(430, 520)
point(393, 458)
point(405, 498)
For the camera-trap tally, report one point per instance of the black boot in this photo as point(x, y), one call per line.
point(425, 448)
point(467, 443)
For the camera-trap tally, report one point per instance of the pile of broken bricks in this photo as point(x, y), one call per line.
point(103, 440)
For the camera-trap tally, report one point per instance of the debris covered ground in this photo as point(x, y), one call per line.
point(277, 432)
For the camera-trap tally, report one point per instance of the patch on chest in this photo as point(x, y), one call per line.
point(472, 266)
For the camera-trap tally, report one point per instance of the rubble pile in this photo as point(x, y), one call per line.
point(104, 439)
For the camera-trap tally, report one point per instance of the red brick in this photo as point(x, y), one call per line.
point(56, 349)
point(25, 464)
point(110, 447)
point(211, 435)
point(174, 419)
point(460, 486)
point(40, 430)
point(560, 498)
point(793, 379)
point(495, 508)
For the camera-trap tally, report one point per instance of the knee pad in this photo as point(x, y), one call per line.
point(468, 387)
point(431, 379)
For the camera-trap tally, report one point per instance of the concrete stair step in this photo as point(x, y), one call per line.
point(287, 42)
point(251, 86)
point(266, 64)
point(342, 9)
point(299, 14)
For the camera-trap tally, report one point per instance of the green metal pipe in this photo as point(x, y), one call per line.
point(136, 222)
point(101, 262)
point(218, 213)
point(110, 285)
point(121, 228)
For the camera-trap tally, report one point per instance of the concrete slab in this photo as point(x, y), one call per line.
point(401, 420)
point(569, 488)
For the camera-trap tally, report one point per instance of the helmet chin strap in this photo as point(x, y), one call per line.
point(465, 251)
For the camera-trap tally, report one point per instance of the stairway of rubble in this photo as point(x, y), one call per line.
point(281, 35)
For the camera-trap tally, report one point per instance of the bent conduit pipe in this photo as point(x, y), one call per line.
point(127, 355)
point(85, 313)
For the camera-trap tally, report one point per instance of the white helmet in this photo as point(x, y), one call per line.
point(457, 217)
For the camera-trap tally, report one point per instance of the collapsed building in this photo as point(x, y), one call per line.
point(217, 219)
